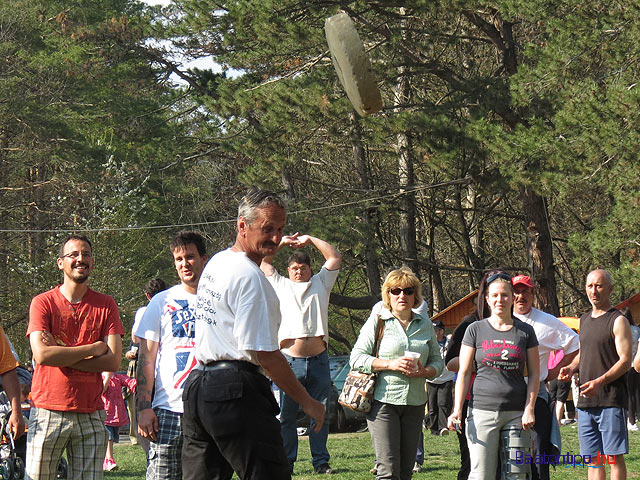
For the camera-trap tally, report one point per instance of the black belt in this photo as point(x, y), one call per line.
point(230, 365)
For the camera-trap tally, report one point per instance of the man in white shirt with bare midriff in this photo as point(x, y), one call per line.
point(304, 336)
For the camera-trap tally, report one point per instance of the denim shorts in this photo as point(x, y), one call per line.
point(603, 430)
point(114, 433)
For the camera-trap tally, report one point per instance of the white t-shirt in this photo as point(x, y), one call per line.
point(304, 306)
point(170, 320)
point(552, 334)
point(137, 317)
point(238, 311)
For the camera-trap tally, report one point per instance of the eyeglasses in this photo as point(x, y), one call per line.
point(75, 255)
point(496, 276)
point(406, 291)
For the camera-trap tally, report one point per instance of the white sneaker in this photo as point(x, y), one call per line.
point(416, 467)
point(632, 427)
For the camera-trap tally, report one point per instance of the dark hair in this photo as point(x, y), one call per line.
point(299, 257)
point(255, 199)
point(626, 313)
point(184, 238)
point(153, 286)
point(481, 303)
point(73, 236)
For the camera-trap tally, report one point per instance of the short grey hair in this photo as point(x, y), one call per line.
point(607, 276)
point(256, 199)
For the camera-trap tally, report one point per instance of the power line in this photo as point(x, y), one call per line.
point(406, 191)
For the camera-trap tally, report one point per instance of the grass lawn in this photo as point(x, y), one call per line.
point(352, 456)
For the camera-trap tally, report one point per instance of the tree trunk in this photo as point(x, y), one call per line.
point(540, 251)
point(406, 177)
point(369, 214)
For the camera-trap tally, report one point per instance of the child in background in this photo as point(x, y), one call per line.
point(115, 409)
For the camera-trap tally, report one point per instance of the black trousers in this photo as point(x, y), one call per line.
point(465, 460)
point(542, 438)
point(229, 424)
point(440, 404)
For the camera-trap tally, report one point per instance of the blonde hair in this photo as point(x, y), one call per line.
point(402, 277)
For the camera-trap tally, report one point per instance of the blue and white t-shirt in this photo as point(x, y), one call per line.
point(170, 320)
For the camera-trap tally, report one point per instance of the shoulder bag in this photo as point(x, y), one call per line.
point(357, 393)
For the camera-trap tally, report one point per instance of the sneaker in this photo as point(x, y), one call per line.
point(324, 468)
point(416, 467)
point(632, 427)
point(109, 464)
point(444, 431)
point(374, 470)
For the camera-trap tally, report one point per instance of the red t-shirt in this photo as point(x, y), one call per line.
point(92, 319)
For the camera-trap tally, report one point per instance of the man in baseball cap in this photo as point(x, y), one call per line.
point(552, 335)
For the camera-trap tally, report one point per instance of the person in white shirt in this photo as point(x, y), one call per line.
point(229, 420)
point(304, 336)
point(153, 286)
point(166, 333)
point(553, 335)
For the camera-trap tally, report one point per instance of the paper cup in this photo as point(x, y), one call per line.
point(414, 356)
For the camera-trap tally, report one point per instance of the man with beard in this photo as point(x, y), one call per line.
point(75, 333)
point(166, 333)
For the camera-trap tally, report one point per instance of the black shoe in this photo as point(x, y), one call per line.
point(325, 468)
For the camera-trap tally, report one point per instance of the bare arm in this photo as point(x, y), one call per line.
point(279, 371)
point(568, 371)
point(332, 257)
point(12, 389)
point(622, 338)
point(462, 383)
point(267, 262)
point(533, 385)
point(108, 362)
point(566, 360)
point(636, 361)
point(46, 352)
point(145, 376)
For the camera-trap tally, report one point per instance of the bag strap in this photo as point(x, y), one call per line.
point(379, 333)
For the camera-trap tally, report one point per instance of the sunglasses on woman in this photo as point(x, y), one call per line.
point(407, 291)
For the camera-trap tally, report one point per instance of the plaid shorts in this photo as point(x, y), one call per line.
point(82, 434)
point(165, 454)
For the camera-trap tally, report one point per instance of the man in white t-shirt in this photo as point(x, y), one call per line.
point(166, 358)
point(304, 336)
point(553, 335)
point(229, 420)
point(153, 286)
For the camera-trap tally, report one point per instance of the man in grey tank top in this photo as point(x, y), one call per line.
point(605, 335)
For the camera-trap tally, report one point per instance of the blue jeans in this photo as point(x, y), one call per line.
point(313, 374)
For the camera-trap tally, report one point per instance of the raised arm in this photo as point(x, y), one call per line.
point(332, 257)
point(267, 262)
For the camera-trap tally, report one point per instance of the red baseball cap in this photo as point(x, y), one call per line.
point(522, 280)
